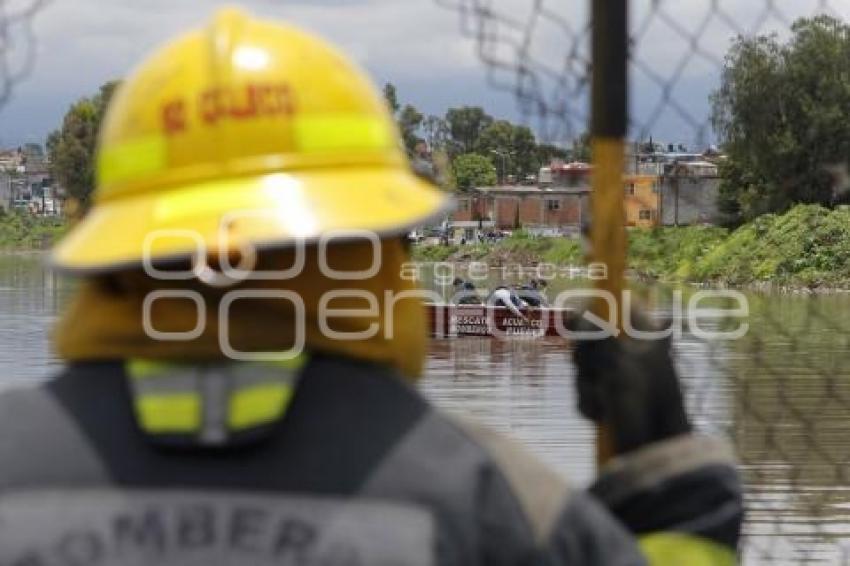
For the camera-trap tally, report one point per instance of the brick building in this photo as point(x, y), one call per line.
point(557, 205)
point(553, 209)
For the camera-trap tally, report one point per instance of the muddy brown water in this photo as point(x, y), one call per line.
point(781, 394)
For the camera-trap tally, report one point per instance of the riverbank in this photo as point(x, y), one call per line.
point(806, 248)
point(23, 232)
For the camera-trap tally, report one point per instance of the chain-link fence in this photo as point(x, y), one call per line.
point(782, 393)
point(539, 50)
point(18, 44)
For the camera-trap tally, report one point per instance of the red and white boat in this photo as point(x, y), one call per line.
point(452, 321)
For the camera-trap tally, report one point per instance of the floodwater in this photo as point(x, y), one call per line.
point(781, 394)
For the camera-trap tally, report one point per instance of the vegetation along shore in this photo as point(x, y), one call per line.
point(808, 247)
point(25, 232)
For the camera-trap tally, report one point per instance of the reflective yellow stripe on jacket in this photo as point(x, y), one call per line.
point(182, 399)
point(677, 549)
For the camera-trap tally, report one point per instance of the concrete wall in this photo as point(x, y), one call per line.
point(5, 193)
point(697, 200)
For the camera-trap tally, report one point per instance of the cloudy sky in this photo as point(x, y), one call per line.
point(417, 44)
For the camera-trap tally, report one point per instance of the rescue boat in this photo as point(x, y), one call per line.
point(454, 321)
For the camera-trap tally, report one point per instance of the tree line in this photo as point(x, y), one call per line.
point(782, 115)
point(71, 148)
point(480, 150)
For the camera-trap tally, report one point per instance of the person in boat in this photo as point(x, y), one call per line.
point(533, 293)
point(206, 415)
point(504, 296)
point(465, 293)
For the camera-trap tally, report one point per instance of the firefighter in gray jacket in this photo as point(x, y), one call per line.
point(239, 367)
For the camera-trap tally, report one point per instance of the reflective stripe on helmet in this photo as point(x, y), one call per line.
point(131, 160)
point(341, 132)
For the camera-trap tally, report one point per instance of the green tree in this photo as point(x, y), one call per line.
point(409, 121)
point(443, 168)
point(546, 153)
point(436, 132)
point(513, 148)
point(581, 150)
point(524, 145)
point(466, 125)
point(781, 115)
point(391, 95)
point(473, 170)
point(71, 148)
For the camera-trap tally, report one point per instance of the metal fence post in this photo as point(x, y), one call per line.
point(609, 123)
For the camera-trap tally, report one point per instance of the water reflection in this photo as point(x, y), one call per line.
point(522, 387)
point(29, 300)
point(781, 394)
point(791, 427)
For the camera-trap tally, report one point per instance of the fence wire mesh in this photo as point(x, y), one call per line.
point(18, 45)
point(781, 393)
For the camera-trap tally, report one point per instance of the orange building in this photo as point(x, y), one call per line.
point(642, 200)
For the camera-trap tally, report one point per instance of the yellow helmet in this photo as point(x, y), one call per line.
point(251, 129)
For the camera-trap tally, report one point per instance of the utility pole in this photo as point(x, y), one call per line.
point(659, 198)
point(504, 155)
point(676, 179)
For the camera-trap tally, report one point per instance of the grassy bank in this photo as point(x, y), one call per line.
point(23, 232)
point(807, 247)
point(518, 249)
